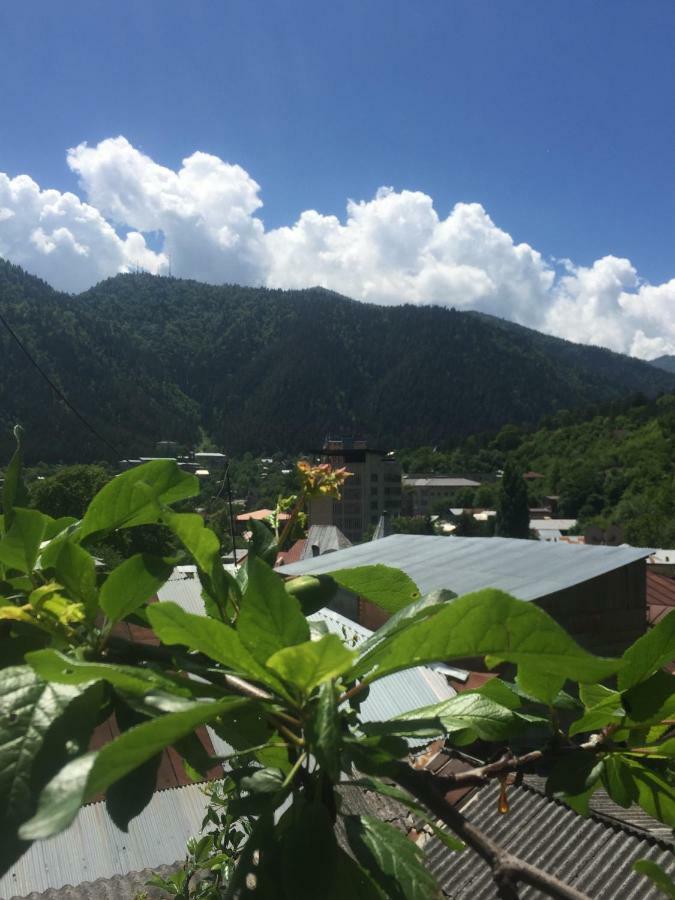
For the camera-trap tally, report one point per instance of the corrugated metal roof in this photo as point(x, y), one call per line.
point(594, 857)
point(526, 569)
point(118, 887)
point(93, 847)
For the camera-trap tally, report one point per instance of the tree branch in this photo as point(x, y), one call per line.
point(507, 869)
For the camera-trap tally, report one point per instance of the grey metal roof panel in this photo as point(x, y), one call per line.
point(184, 588)
point(93, 847)
point(592, 856)
point(527, 569)
point(117, 887)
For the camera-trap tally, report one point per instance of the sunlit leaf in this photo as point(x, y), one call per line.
point(649, 653)
point(270, 618)
point(20, 545)
point(131, 584)
point(134, 497)
point(391, 589)
point(393, 861)
point(488, 622)
point(305, 666)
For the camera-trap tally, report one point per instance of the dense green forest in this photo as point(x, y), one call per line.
point(147, 359)
point(616, 466)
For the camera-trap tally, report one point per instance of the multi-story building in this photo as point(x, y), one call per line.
point(424, 492)
point(373, 490)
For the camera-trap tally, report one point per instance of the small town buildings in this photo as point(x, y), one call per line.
point(422, 493)
point(374, 488)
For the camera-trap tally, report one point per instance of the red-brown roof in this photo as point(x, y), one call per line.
point(292, 555)
point(660, 596)
point(259, 514)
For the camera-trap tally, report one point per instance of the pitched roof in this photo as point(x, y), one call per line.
point(527, 569)
point(260, 514)
point(93, 847)
point(591, 854)
point(326, 538)
point(660, 596)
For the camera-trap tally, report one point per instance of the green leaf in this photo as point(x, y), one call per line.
point(574, 774)
point(617, 780)
point(56, 527)
point(649, 653)
point(28, 708)
point(608, 710)
point(424, 608)
point(488, 622)
point(219, 588)
point(173, 625)
point(388, 790)
point(309, 852)
point(263, 781)
point(388, 588)
point(465, 718)
point(655, 793)
point(376, 754)
point(324, 731)
point(305, 666)
point(652, 701)
point(75, 569)
point(313, 592)
point(270, 618)
point(263, 543)
point(134, 497)
point(131, 584)
point(94, 772)
point(14, 492)
point(20, 545)
point(393, 861)
point(129, 796)
point(56, 667)
point(661, 879)
point(351, 881)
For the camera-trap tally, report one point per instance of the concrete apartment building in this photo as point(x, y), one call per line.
point(373, 490)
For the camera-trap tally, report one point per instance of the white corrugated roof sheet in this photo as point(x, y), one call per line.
point(527, 569)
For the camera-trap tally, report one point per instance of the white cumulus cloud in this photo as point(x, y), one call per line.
point(393, 248)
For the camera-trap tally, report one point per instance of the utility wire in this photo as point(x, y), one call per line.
point(57, 391)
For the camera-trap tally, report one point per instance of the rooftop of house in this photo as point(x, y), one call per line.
point(442, 481)
point(527, 569)
point(260, 514)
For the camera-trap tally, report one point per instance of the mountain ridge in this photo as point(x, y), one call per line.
point(150, 358)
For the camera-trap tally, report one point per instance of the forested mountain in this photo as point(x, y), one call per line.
point(148, 358)
point(667, 363)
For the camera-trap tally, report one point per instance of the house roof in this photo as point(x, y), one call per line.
point(527, 569)
point(259, 514)
point(592, 854)
point(327, 538)
point(419, 481)
point(660, 596)
point(93, 847)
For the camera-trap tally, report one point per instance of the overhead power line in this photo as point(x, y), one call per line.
point(57, 390)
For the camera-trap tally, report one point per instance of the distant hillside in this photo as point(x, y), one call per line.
point(615, 465)
point(667, 363)
point(148, 358)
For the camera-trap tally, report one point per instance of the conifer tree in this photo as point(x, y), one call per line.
point(513, 516)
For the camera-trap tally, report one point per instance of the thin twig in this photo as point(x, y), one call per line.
point(507, 869)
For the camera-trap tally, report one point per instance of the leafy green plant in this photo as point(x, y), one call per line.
point(288, 701)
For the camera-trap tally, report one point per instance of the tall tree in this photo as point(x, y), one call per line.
point(513, 515)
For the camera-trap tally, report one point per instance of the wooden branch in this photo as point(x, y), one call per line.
point(507, 870)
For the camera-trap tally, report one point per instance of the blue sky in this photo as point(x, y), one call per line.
point(556, 117)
